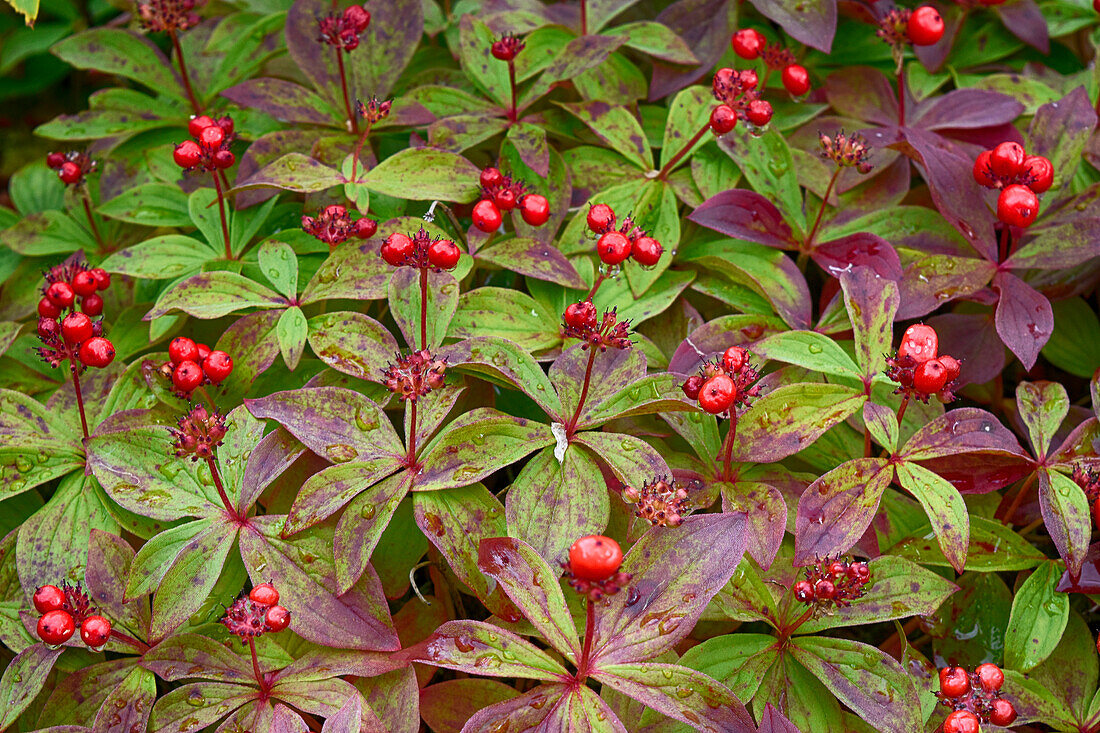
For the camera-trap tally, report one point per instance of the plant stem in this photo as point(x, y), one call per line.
point(584, 18)
point(79, 397)
point(901, 409)
point(91, 220)
point(256, 666)
point(817, 222)
point(727, 446)
point(209, 401)
point(1019, 498)
point(423, 307)
point(141, 646)
point(183, 72)
point(410, 458)
point(344, 87)
point(221, 211)
point(596, 286)
point(358, 149)
point(513, 115)
point(221, 488)
point(901, 94)
point(866, 442)
point(572, 426)
point(667, 167)
point(589, 632)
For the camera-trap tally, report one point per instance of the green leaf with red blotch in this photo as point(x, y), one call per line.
point(177, 710)
point(215, 294)
point(424, 174)
point(993, 548)
point(501, 360)
point(352, 270)
point(945, 508)
point(109, 561)
point(122, 53)
point(1043, 406)
point(325, 492)
point(352, 343)
point(537, 707)
point(292, 172)
point(837, 508)
point(1039, 616)
point(787, 419)
point(23, 679)
point(1065, 510)
point(447, 705)
point(505, 313)
point(479, 648)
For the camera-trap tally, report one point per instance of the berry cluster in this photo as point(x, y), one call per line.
point(342, 30)
point(210, 149)
point(975, 698)
point(191, 365)
point(258, 612)
point(63, 610)
point(198, 433)
point(833, 583)
point(593, 567)
point(500, 193)
point(921, 27)
point(847, 151)
point(375, 110)
point(420, 251)
point(334, 226)
point(918, 368)
point(75, 336)
point(660, 502)
point(724, 383)
point(1019, 176)
point(749, 44)
point(71, 167)
point(738, 99)
point(615, 246)
point(414, 375)
point(580, 322)
point(168, 15)
point(506, 48)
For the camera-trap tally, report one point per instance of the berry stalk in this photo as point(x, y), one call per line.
point(91, 220)
point(727, 446)
point(821, 211)
point(410, 458)
point(344, 88)
point(423, 307)
point(901, 95)
point(667, 167)
point(596, 286)
point(256, 667)
point(213, 464)
point(358, 150)
point(589, 632)
point(584, 17)
point(117, 635)
point(571, 428)
point(901, 409)
point(513, 114)
point(221, 212)
point(79, 396)
point(183, 71)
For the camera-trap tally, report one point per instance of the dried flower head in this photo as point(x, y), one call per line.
point(776, 57)
point(374, 110)
point(579, 321)
point(596, 590)
point(659, 502)
point(342, 30)
point(507, 47)
point(1088, 479)
point(247, 619)
point(893, 27)
point(198, 433)
point(414, 375)
point(167, 15)
point(846, 150)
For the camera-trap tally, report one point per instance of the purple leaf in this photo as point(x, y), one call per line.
point(348, 719)
point(1068, 242)
point(283, 100)
point(836, 509)
point(716, 336)
point(283, 719)
point(859, 250)
point(787, 419)
point(109, 560)
point(670, 588)
point(766, 511)
point(479, 648)
point(505, 360)
point(945, 508)
point(447, 705)
point(933, 56)
point(811, 23)
point(351, 271)
point(1061, 130)
point(404, 297)
point(393, 697)
point(962, 109)
point(1026, 22)
point(317, 61)
point(129, 705)
point(935, 279)
point(1024, 317)
point(703, 26)
point(772, 721)
point(972, 339)
point(533, 259)
point(965, 430)
point(325, 493)
point(191, 656)
point(352, 343)
point(863, 93)
point(1089, 579)
point(361, 526)
point(526, 712)
point(530, 143)
point(871, 303)
point(274, 454)
point(744, 215)
point(23, 679)
point(1067, 518)
point(177, 710)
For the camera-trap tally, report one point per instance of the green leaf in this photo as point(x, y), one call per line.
point(425, 174)
point(165, 257)
point(351, 271)
point(882, 423)
point(767, 163)
point(807, 349)
point(352, 343)
point(487, 73)
point(508, 314)
point(29, 10)
point(480, 648)
point(1039, 616)
point(616, 127)
point(872, 303)
point(1065, 509)
point(1043, 406)
point(1075, 344)
point(48, 233)
point(363, 523)
point(123, 53)
point(35, 445)
point(215, 294)
point(689, 111)
point(790, 418)
point(993, 548)
point(325, 492)
point(292, 332)
point(945, 508)
point(656, 40)
point(150, 204)
point(293, 172)
point(23, 679)
point(279, 264)
point(736, 660)
point(405, 304)
point(155, 557)
point(190, 578)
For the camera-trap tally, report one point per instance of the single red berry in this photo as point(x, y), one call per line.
point(580, 315)
point(487, 216)
point(983, 174)
point(825, 590)
point(226, 123)
point(1017, 206)
point(92, 304)
point(349, 39)
point(613, 247)
point(61, 294)
point(962, 721)
point(55, 160)
point(1007, 160)
point(747, 78)
point(187, 377)
point(491, 177)
point(748, 43)
point(925, 26)
point(734, 358)
point(646, 251)
point(505, 199)
point(990, 677)
point(84, 283)
point(204, 351)
point(838, 568)
point(187, 154)
point(277, 618)
point(212, 137)
point(796, 79)
point(56, 627)
point(717, 394)
point(97, 352)
point(1002, 712)
point(951, 365)
point(48, 598)
point(217, 366)
point(264, 594)
point(691, 386)
point(335, 211)
point(47, 309)
point(48, 329)
point(595, 557)
point(76, 328)
point(183, 349)
point(197, 124)
point(95, 631)
point(102, 278)
point(722, 119)
point(804, 591)
point(535, 209)
point(358, 16)
point(1040, 172)
point(223, 159)
point(69, 172)
point(601, 218)
point(954, 682)
point(760, 112)
point(397, 248)
point(502, 51)
point(444, 254)
point(919, 343)
point(859, 571)
point(930, 376)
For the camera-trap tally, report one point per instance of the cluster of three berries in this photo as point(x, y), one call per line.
point(58, 623)
point(192, 364)
point(1019, 176)
point(749, 43)
point(931, 371)
point(501, 193)
point(615, 246)
point(975, 698)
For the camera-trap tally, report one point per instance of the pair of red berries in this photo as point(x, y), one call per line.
point(1019, 176)
point(955, 682)
point(60, 295)
point(211, 151)
point(70, 167)
point(925, 27)
point(595, 558)
point(919, 346)
point(748, 43)
point(399, 249)
point(615, 246)
point(57, 625)
point(276, 617)
point(192, 364)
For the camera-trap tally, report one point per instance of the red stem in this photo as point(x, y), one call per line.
point(221, 211)
point(667, 167)
point(513, 115)
point(79, 397)
point(410, 459)
point(358, 149)
point(727, 447)
point(596, 286)
point(209, 401)
point(221, 489)
point(256, 666)
point(584, 394)
point(183, 72)
point(344, 87)
point(91, 220)
point(423, 307)
point(901, 410)
point(589, 632)
point(901, 95)
point(141, 646)
point(584, 18)
point(821, 211)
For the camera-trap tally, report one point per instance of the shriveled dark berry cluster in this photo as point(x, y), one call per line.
point(342, 30)
point(190, 365)
point(168, 15)
point(616, 245)
point(660, 502)
point(847, 151)
point(975, 698)
point(921, 27)
point(593, 567)
point(918, 367)
point(374, 110)
point(420, 251)
point(209, 150)
point(749, 44)
point(256, 613)
point(334, 226)
point(738, 99)
point(64, 610)
point(71, 166)
point(835, 582)
point(1020, 178)
point(198, 433)
point(414, 375)
point(581, 321)
point(500, 193)
point(724, 383)
point(74, 336)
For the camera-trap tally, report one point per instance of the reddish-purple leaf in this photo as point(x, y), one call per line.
point(177, 710)
point(702, 25)
point(1024, 317)
point(716, 336)
point(534, 259)
point(965, 430)
point(966, 108)
point(325, 493)
point(351, 271)
point(766, 512)
point(325, 697)
point(1067, 517)
point(274, 454)
point(360, 527)
point(871, 303)
point(1064, 242)
point(446, 706)
point(835, 510)
point(772, 721)
point(129, 705)
point(863, 93)
point(1089, 579)
point(1026, 22)
point(747, 215)
point(283, 100)
point(859, 250)
point(935, 279)
point(1060, 131)
point(1081, 445)
point(480, 648)
point(192, 656)
point(812, 23)
point(972, 339)
point(348, 719)
point(527, 712)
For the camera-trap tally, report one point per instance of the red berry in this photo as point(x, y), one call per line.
point(838, 568)
point(204, 351)
point(48, 329)
point(722, 119)
point(187, 154)
point(760, 112)
point(102, 278)
point(961, 721)
point(76, 328)
point(859, 571)
point(535, 209)
point(97, 352)
point(55, 160)
point(1096, 521)
point(919, 343)
point(223, 159)
point(182, 349)
point(925, 26)
point(825, 590)
point(747, 78)
point(335, 211)
point(92, 305)
point(197, 124)
point(951, 365)
point(70, 172)
point(212, 137)
point(48, 598)
point(796, 79)
point(226, 123)
point(601, 218)
point(733, 359)
point(1018, 206)
point(491, 177)
point(264, 594)
point(487, 216)
point(396, 249)
point(930, 376)
point(217, 366)
point(990, 677)
point(95, 631)
point(1007, 160)
point(84, 283)
point(613, 247)
point(748, 43)
point(954, 682)
point(60, 294)
point(444, 254)
point(47, 309)
point(365, 228)
point(187, 377)
point(595, 557)
point(691, 386)
point(502, 51)
point(358, 16)
point(56, 627)
point(580, 315)
point(1040, 172)
point(1002, 712)
point(717, 394)
point(983, 174)
point(349, 39)
point(646, 251)
point(277, 618)
point(804, 591)
point(505, 199)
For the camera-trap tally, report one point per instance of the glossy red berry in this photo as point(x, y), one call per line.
point(930, 376)
point(47, 309)
point(84, 283)
point(277, 618)
point(535, 209)
point(1002, 712)
point(647, 251)
point(925, 26)
point(95, 631)
point(60, 294)
point(204, 351)
point(601, 218)
point(487, 216)
point(97, 352)
point(838, 568)
point(55, 160)
point(183, 349)
point(212, 137)
point(1039, 172)
point(491, 177)
point(748, 43)
point(397, 248)
point(961, 721)
point(92, 305)
point(223, 159)
point(358, 16)
point(1017, 206)
point(264, 594)
point(56, 627)
point(365, 228)
point(226, 123)
point(952, 367)
point(1007, 160)
point(722, 119)
point(748, 78)
point(187, 377)
point(613, 247)
point(102, 278)
point(48, 329)
point(187, 154)
point(595, 557)
point(76, 328)
point(691, 386)
point(503, 51)
point(217, 366)
point(919, 343)
point(717, 394)
point(197, 124)
point(69, 172)
point(48, 598)
point(734, 358)
point(824, 590)
point(804, 591)
point(990, 677)
point(1096, 521)
point(760, 112)
point(860, 571)
point(444, 254)
point(796, 79)
point(505, 199)
point(954, 682)
point(580, 315)
point(983, 174)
